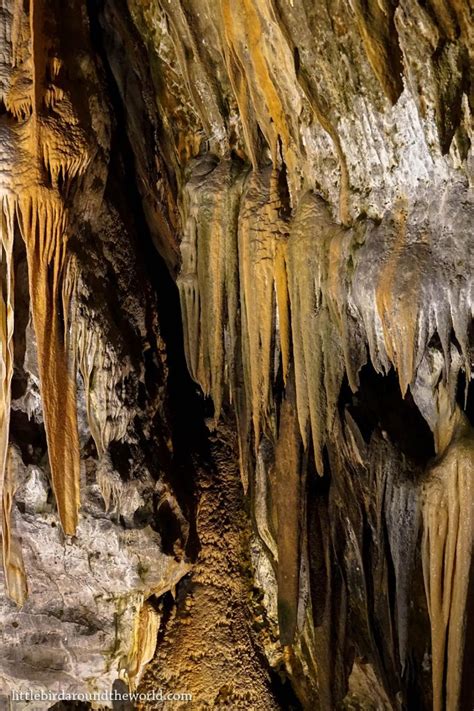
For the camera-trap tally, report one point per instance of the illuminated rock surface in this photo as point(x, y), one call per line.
point(294, 528)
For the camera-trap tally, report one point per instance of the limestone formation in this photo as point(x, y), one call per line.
point(236, 317)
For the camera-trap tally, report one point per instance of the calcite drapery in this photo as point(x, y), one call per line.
point(326, 238)
point(68, 258)
point(304, 169)
point(47, 150)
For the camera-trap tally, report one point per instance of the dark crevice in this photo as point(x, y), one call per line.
point(284, 209)
point(296, 59)
point(29, 436)
point(465, 397)
point(378, 404)
point(120, 456)
point(283, 690)
point(22, 314)
point(168, 526)
point(185, 404)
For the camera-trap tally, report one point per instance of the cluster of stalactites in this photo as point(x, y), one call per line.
point(310, 301)
point(447, 554)
point(15, 578)
point(45, 149)
point(41, 221)
point(313, 295)
point(43, 224)
point(101, 375)
point(447, 496)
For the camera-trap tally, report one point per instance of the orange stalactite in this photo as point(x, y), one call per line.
point(43, 226)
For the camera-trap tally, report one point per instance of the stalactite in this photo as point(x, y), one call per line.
point(313, 286)
point(53, 174)
point(207, 283)
point(13, 565)
point(322, 273)
point(448, 534)
point(266, 119)
point(358, 109)
point(321, 353)
point(214, 250)
point(43, 226)
point(258, 233)
point(398, 316)
point(57, 151)
point(112, 488)
point(101, 374)
point(318, 358)
point(15, 578)
point(7, 327)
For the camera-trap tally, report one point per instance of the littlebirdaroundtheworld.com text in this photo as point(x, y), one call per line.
point(112, 695)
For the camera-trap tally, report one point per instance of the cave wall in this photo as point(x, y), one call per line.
point(302, 171)
point(84, 375)
point(323, 163)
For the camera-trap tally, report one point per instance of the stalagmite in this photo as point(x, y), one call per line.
point(402, 512)
point(146, 628)
point(288, 488)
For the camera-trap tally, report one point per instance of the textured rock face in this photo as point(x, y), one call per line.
point(326, 292)
point(83, 373)
point(304, 171)
point(76, 630)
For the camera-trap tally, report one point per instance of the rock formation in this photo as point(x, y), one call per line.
point(237, 344)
